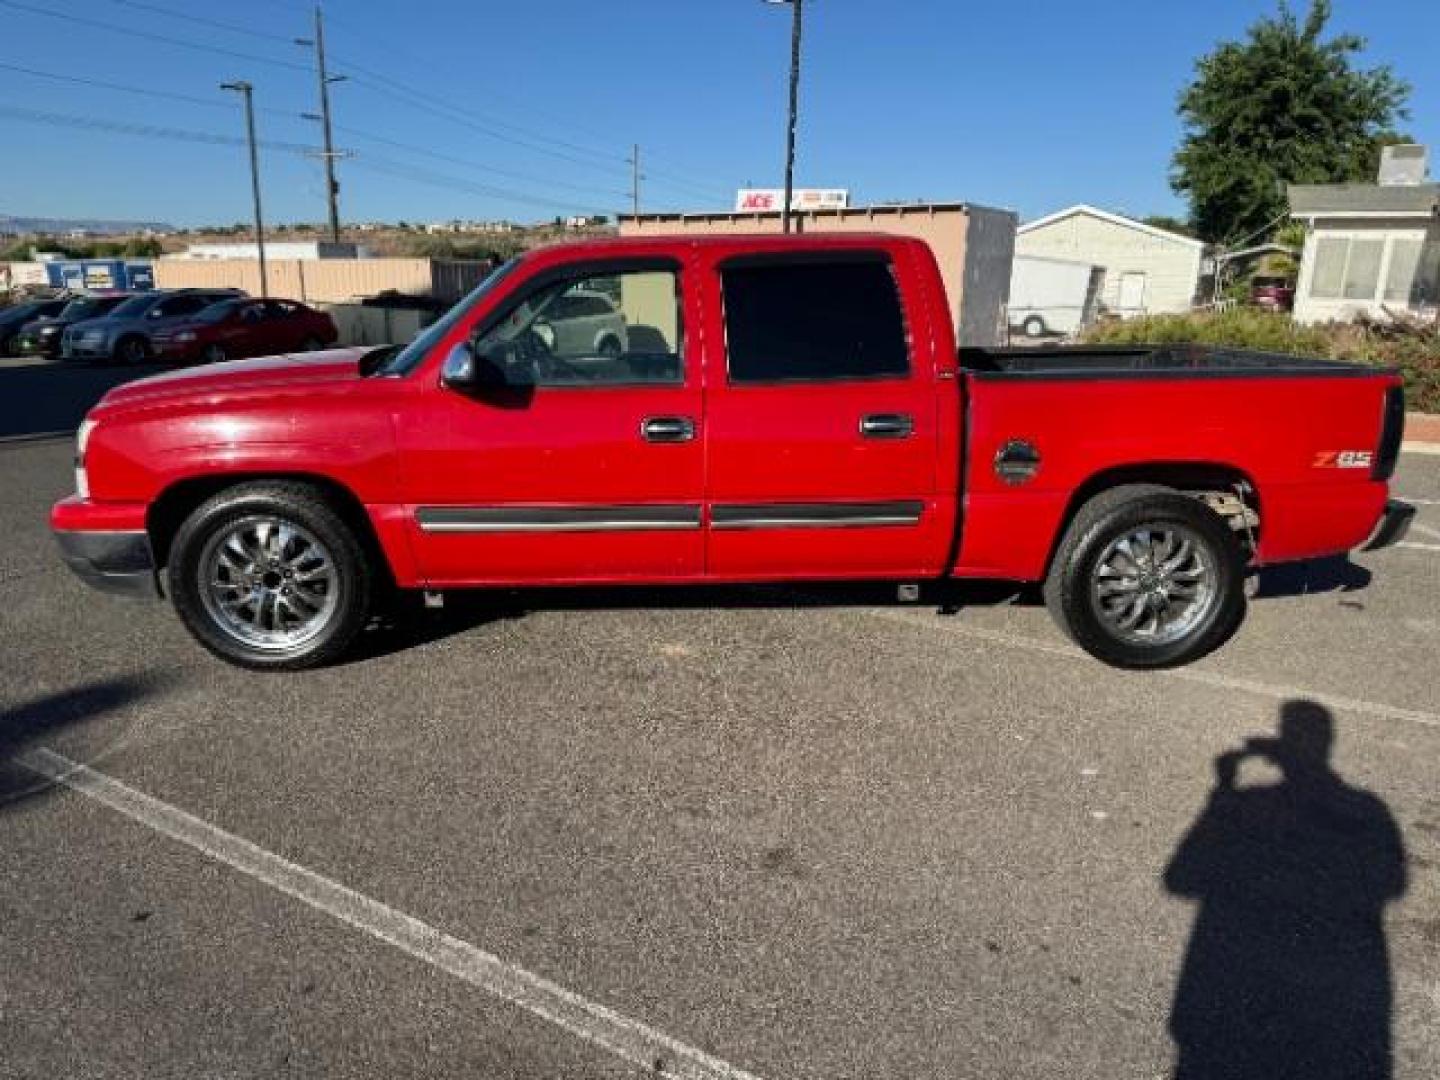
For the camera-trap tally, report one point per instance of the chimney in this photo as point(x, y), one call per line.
point(1404, 165)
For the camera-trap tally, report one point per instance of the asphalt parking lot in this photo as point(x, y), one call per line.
point(729, 833)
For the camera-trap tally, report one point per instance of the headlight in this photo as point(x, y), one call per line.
point(82, 439)
point(49, 331)
point(185, 335)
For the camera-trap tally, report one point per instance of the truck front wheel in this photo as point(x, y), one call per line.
point(1147, 577)
point(269, 576)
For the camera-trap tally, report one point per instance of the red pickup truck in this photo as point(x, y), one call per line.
point(735, 409)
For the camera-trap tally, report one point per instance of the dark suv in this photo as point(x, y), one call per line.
point(124, 333)
point(13, 319)
point(41, 337)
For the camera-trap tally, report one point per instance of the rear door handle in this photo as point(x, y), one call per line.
point(667, 429)
point(887, 426)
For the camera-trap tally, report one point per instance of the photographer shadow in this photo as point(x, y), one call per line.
point(1287, 973)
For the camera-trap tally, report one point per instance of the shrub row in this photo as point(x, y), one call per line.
point(1411, 347)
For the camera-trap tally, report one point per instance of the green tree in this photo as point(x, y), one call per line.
point(1284, 106)
point(1169, 224)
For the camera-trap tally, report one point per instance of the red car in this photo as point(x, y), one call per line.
point(781, 408)
point(1273, 293)
point(233, 329)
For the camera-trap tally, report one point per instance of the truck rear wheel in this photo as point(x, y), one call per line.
point(1147, 577)
point(269, 576)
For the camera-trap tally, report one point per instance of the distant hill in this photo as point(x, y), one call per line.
point(61, 226)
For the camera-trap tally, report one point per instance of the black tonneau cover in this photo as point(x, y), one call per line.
point(1148, 362)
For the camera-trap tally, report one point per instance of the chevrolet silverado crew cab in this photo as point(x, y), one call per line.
point(738, 409)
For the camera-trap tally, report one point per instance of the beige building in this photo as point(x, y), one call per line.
point(1146, 270)
point(974, 246)
point(333, 281)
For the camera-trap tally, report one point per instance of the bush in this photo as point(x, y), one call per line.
point(1413, 348)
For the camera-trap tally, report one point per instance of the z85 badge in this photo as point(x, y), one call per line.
point(1344, 459)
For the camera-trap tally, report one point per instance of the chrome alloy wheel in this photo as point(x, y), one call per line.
point(268, 583)
point(1154, 584)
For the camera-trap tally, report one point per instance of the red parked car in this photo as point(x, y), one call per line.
point(1273, 293)
point(234, 329)
point(778, 408)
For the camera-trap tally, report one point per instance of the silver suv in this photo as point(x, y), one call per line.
point(124, 334)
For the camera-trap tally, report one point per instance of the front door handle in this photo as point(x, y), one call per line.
point(887, 426)
point(667, 429)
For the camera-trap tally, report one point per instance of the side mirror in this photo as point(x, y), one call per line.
point(460, 370)
point(502, 368)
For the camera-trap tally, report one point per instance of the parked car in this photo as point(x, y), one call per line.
point(13, 318)
point(581, 322)
point(809, 418)
point(43, 337)
point(126, 333)
point(234, 329)
point(1273, 293)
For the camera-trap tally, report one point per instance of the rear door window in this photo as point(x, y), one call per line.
point(811, 321)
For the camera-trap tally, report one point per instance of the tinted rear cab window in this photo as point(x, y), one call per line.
point(809, 321)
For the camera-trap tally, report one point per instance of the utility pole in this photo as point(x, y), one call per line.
point(245, 90)
point(635, 179)
point(797, 8)
point(332, 186)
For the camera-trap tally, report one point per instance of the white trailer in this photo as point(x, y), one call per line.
point(1053, 296)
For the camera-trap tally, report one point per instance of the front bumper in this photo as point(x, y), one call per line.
point(1394, 523)
point(28, 345)
point(85, 350)
point(113, 562)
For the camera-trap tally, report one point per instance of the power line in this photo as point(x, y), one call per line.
point(618, 166)
point(372, 163)
point(376, 82)
point(153, 131)
point(408, 172)
point(214, 24)
point(365, 136)
point(147, 36)
point(353, 133)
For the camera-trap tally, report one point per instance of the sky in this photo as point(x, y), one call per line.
point(525, 111)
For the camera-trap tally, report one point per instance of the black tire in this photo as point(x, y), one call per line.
point(311, 344)
point(1111, 516)
point(131, 350)
point(213, 354)
point(298, 505)
point(1033, 327)
point(610, 346)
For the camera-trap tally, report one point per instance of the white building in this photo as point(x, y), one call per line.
point(1370, 249)
point(1145, 270)
point(288, 249)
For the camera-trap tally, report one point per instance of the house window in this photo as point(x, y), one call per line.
point(1329, 272)
point(1362, 269)
point(1414, 277)
point(1347, 268)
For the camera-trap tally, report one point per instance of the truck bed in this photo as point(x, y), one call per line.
point(1089, 362)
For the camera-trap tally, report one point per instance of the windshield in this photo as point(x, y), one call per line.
point(136, 305)
point(404, 361)
point(217, 312)
point(88, 307)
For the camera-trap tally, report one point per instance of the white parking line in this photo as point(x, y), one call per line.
point(630, 1040)
point(39, 436)
point(1419, 502)
point(1417, 547)
point(1376, 709)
